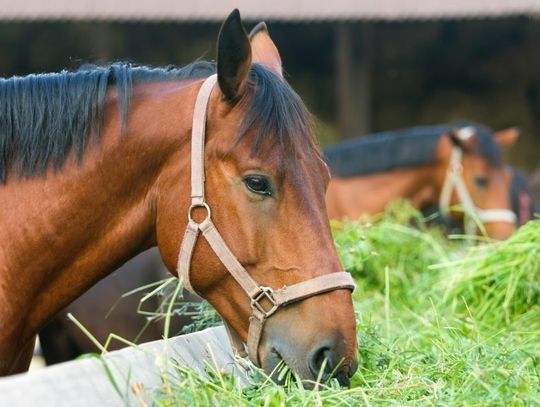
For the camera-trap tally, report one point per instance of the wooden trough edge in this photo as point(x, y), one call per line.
point(135, 371)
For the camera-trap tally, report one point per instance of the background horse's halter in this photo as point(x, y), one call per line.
point(454, 180)
point(265, 301)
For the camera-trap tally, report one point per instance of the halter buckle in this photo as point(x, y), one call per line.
point(264, 293)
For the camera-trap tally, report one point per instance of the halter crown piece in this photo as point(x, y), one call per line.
point(259, 296)
point(454, 180)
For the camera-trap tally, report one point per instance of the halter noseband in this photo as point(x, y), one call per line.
point(258, 295)
point(454, 180)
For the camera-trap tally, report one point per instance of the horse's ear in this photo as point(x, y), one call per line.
point(233, 57)
point(507, 137)
point(464, 138)
point(264, 50)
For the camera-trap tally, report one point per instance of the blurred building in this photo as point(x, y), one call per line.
point(361, 66)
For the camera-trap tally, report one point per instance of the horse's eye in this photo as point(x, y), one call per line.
point(481, 182)
point(258, 184)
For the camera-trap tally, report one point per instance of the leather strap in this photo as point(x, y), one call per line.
point(317, 285)
point(454, 181)
point(198, 133)
point(496, 215)
point(186, 252)
point(264, 300)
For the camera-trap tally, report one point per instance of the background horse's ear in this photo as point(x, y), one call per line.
point(507, 137)
point(464, 138)
point(264, 50)
point(233, 57)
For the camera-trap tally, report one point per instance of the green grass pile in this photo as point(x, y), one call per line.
point(440, 322)
point(499, 281)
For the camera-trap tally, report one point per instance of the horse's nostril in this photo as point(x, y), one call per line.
point(325, 362)
point(321, 358)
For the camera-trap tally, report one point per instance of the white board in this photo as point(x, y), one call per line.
point(84, 382)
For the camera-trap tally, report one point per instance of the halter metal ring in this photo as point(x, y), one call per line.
point(199, 205)
point(264, 293)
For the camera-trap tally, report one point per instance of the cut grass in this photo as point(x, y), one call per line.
point(500, 281)
point(439, 323)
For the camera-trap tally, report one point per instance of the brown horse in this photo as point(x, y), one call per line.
point(96, 168)
point(445, 166)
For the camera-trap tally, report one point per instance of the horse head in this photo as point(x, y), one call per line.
point(474, 176)
point(265, 185)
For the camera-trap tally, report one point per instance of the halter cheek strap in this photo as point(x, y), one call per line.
point(264, 301)
point(454, 181)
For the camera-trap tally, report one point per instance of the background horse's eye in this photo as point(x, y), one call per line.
point(258, 184)
point(481, 182)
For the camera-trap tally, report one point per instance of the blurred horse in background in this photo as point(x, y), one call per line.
point(103, 311)
point(444, 166)
point(522, 197)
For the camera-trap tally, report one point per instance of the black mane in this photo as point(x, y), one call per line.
point(277, 111)
point(44, 117)
point(415, 146)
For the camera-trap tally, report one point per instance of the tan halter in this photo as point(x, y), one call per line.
point(255, 292)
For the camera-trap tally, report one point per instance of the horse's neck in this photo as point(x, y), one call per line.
point(63, 232)
point(367, 195)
